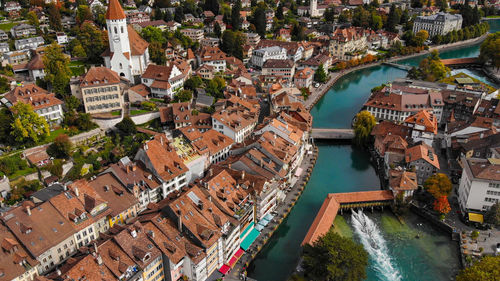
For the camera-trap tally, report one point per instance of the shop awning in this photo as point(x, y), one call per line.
point(247, 229)
point(224, 269)
point(298, 172)
point(252, 235)
point(476, 217)
point(268, 217)
point(239, 253)
point(259, 227)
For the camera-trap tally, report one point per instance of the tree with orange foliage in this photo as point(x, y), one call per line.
point(341, 65)
point(442, 205)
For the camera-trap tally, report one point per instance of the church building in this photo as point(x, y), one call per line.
point(128, 53)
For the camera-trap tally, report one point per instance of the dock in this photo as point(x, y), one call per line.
point(332, 134)
point(340, 201)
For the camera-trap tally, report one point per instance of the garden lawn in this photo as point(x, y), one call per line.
point(54, 134)
point(138, 111)
point(23, 172)
point(8, 26)
point(77, 67)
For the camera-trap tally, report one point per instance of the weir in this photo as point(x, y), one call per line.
point(376, 246)
point(339, 201)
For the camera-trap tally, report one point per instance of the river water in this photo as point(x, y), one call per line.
point(343, 168)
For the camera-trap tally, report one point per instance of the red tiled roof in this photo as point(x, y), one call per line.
point(115, 11)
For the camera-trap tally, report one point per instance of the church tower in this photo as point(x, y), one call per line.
point(116, 22)
point(128, 53)
point(313, 8)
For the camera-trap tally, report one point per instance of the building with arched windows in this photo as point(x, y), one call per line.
point(128, 53)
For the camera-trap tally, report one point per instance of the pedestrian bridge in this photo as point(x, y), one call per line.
point(339, 201)
point(332, 134)
point(397, 65)
point(459, 63)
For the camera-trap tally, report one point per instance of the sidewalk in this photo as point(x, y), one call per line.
point(239, 270)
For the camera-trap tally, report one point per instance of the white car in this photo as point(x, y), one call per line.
point(316, 85)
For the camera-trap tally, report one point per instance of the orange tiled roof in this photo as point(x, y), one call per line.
point(423, 118)
point(115, 11)
point(422, 151)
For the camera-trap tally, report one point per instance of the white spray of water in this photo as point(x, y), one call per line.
point(375, 245)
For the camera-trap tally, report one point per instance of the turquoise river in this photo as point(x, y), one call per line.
point(343, 168)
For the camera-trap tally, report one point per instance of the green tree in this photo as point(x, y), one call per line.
point(61, 147)
point(487, 269)
point(83, 13)
point(235, 15)
point(298, 33)
point(193, 82)
point(259, 19)
point(232, 43)
point(329, 15)
point(490, 50)
point(78, 51)
point(393, 18)
point(215, 87)
point(212, 5)
point(4, 84)
point(430, 69)
point(320, 74)
point(438, 185)
point(492, 216)
point(94, 41)
point(333, 257)
point(376, 21)
point(183, 96)
point(27, 126)
point(420, 37)
point(344, 17)
point(363, 125)
point(153, 34)
point(442, 5)
point(127, 126)
point(156, 53)
point(6, 121)
point(32, 19)
point(179, 14)
point(54, 17)
point(57, 71)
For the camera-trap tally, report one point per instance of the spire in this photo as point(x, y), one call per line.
point(115, 11)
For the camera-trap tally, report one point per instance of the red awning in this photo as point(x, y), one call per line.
point(232, 261)
point(239, 253)
point(224, 269)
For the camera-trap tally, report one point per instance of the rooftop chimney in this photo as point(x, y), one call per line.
point(28, 210)
point(243, 175)
point(75, 190)
point(179, 222)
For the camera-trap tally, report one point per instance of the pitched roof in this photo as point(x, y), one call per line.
point(141, 90)
point(32, 94)
point(99, 76)
point(422, 151)
point(12, 254)
point(483, 169)
point(36, 62)
point(115, 11)
point(112, 191)
point(164, 158)
point(402, 180)
point(423, 118)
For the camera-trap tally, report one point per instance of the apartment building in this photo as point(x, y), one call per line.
point(425, 161)
point(282, 68)
point(261, 55)
point(193, 34)
point(213, 56)
point(480, 184)
point(304, 78)
point(235, 122)
point(163, 80)
point(423, 126)
point(159, 157)
point(22, 30)
point(212, 143)
point(28, 43)
point(17, 264)
point(45, 104)
point(43, 231)
point(100, 91)
point(124, 206)
point(36, 67)
point(348, 43)
point(438, 24)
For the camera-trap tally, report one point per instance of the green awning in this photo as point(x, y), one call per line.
point(247, 229)
point(254, 233)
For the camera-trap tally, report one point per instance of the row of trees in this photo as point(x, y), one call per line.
point(466, 33)
point(430, 69)
point(368, 17)
point(490, 50)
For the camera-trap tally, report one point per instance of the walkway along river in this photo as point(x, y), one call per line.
point(343, 168)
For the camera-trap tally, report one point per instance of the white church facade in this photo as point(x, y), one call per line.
point(128, 53)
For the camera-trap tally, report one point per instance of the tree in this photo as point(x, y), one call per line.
point(183, 96)
point(27, 126)
point(54, 17)
point(329, 15)
point(78, 51)
point(298, 33)
point(490, 50)
point(127, 126)
point(6, 120)
point(344, 17)
point(320, 74)
point(156, 53)
point(235, 15)
point(93, 40)
point(212, 5)
point(153, 34)
point(420, 37)
point(376, 21)
point(193, 83)
point(438, 185)
point(363, 125)
point(179, 14)
point(259, 19)
point(487, 269)
point(232, 43)
point(61, 147)
point(430, 69)
point(215, 86)
point(32, 18)
point(57, 71)
point(333, 257)
point(442, 205)
point(442, 5)
point(492, 216)
point(279, 11)
point(83, 13)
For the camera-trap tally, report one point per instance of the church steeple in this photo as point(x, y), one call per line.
point(115, 11)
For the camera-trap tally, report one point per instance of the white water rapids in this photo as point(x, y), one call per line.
point(375, 245)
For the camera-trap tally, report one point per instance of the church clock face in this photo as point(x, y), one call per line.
point(116, 38)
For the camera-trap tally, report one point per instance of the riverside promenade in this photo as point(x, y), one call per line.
point(318, 93)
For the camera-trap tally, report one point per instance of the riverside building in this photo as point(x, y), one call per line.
point(438, 24)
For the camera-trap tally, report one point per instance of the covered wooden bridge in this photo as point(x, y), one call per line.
point(338, 201)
